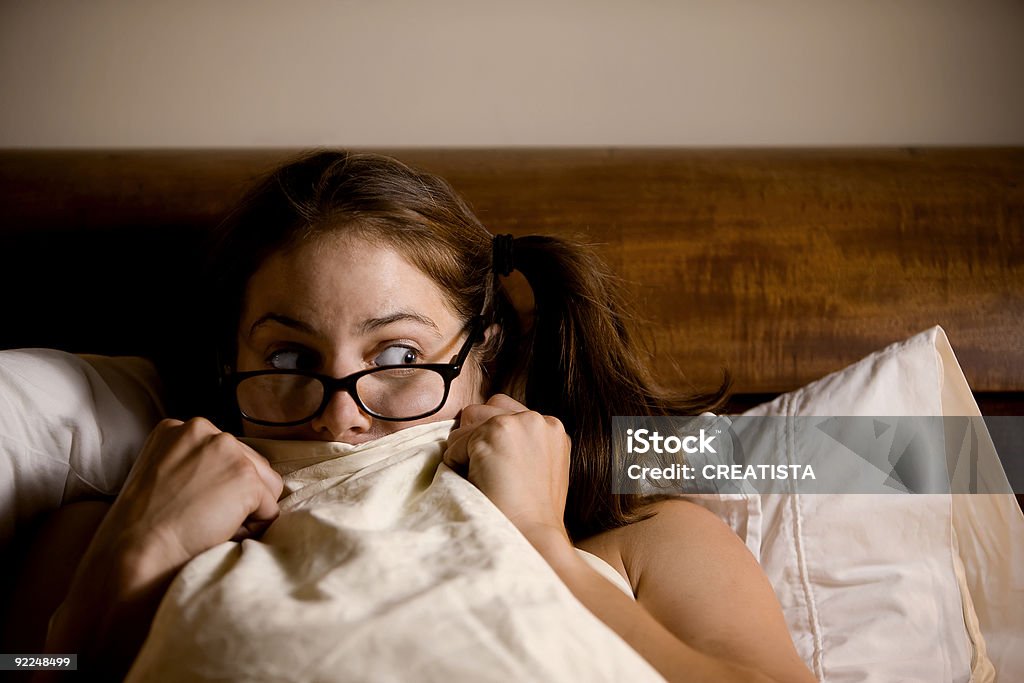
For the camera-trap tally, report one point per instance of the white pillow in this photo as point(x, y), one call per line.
point(989, 533)
point(877, 587)
point(70, 428)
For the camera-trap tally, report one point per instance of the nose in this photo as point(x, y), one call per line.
point(342, 420)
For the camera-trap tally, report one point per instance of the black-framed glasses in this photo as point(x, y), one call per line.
point(396, 393)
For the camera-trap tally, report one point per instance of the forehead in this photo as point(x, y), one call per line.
point(338, 280)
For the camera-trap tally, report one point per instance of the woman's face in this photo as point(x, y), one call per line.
point(341, 304)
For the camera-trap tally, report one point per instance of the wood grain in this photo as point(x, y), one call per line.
point(780, 265)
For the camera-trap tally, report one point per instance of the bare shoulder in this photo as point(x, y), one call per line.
point(674, 522)
point(695, 576)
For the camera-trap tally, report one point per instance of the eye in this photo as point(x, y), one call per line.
point(397, 355)
point(292, 359)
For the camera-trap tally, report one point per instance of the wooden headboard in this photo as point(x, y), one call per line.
point(779, 264)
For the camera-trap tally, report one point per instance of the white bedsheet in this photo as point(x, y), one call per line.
point(385, 565)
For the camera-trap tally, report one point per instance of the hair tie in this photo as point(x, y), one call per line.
point(502, 254)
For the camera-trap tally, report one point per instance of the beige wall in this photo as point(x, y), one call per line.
point(466, 72)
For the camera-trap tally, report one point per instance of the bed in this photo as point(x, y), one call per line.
point(779, 265)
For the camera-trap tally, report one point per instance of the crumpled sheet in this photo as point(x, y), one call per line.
point(385, 565)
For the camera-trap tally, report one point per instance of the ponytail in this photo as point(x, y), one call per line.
point(580, 364)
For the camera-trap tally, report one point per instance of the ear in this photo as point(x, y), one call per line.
point(487, 368)
point(492, 330)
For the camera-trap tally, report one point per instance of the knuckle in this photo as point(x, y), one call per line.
point(471, 412)
point(222, 439)
point(534, 419)
point(167, 424)
point(243, 468)
point(220, 442)
point(554, 423)
point(195, 427)
point(502, 422)
point(200, 424)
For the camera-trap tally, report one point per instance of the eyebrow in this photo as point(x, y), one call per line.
point(372, 324)
point(369, 325)
point(285, 320)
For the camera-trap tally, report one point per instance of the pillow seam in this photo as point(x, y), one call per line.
point(805, 583)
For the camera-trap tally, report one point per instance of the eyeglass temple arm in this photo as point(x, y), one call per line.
point(476, 330)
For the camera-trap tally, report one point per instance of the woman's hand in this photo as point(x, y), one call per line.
point(518, 458)
point(193, 487)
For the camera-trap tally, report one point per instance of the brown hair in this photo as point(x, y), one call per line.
point(576, 361)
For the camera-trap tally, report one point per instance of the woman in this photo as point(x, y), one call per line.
point(339, 267)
